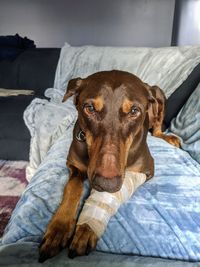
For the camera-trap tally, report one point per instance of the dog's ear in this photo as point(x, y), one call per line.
point(73, 88)
point(152, 97)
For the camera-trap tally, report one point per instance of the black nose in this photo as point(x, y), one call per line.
point(111, 185)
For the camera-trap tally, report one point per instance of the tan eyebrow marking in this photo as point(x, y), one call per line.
point(98, 103)
point(127, 105)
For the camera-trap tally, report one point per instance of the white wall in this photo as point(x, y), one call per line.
point(100, 22)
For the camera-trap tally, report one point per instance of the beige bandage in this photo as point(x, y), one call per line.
point(101, 206)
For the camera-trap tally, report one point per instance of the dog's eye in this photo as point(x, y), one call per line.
point(89, 109)
point(134, 111)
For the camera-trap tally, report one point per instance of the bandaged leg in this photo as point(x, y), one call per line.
point(101, 206)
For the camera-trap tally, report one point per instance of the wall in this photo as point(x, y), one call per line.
point(187, 23)
point(100, 22)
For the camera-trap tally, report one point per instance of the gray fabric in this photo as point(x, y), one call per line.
point(176, 100)
point(27, 255)
point(187, 125)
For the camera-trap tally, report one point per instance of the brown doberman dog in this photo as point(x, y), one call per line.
point(115, 111)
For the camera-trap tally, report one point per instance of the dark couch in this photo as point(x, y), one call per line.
point(34, 69)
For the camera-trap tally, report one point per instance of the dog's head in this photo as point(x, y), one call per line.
point(112, 108)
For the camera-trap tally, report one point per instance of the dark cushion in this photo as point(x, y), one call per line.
point(34, 69)
point(16, 41)
point(10, 53)
point(176, 101)
point(8, 74)
point(14, 135)
point(12, 149)
point(37, 69)
point(12, 45)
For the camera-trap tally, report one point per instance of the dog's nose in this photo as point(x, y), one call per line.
point(111, 185)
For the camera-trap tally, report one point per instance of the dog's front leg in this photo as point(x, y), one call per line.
point(62, 225)
point(97, 211)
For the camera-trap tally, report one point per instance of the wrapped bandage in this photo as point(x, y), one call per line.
point(101, 206)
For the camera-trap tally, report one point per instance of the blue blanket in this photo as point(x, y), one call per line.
point(161, 218)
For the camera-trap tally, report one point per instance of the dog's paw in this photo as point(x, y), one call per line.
point(84, 241)
point(173, 140)
point(55, 239)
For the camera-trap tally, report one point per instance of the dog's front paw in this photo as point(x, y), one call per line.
point(84, 241)
point(55, 239)
point(173, 140)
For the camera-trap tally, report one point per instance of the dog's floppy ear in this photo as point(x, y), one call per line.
point(153, 101)
point(73, 88)
point(156, 107)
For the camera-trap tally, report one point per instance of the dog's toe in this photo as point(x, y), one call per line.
point(84, 241)
point(72, 253)
point(55, 239)
point(43, 257)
